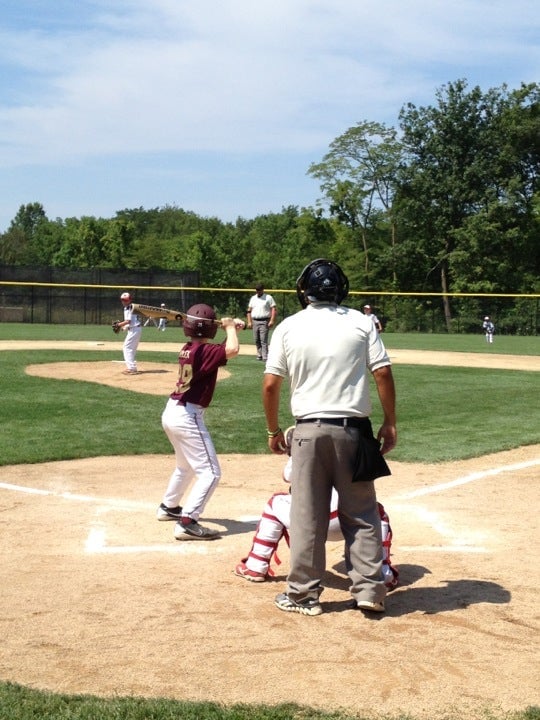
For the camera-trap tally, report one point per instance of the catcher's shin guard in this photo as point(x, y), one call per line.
point(391, 575)
point(267, 536)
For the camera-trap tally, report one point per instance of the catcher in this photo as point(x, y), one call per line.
point(274, 524)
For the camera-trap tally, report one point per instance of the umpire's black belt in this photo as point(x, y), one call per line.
point(355, 422)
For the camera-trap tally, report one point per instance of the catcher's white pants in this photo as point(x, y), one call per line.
point(195, 458)
point(131, 343)
point(275, 522)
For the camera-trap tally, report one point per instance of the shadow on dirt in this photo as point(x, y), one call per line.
point(405, 599)
point(233, 527)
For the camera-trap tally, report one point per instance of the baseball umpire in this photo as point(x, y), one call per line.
point(327, 352)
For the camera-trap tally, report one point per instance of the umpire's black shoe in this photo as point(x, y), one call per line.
point(167, 513)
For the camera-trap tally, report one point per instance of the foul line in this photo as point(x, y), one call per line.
point(96, 543)
point(467, 479)
point(112, 502)
point(96, 540)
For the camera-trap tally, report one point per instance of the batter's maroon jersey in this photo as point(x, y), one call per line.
point(197, 372)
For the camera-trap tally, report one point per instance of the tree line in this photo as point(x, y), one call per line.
point(447, 202)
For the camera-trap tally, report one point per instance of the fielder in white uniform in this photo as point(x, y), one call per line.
point(133, 326)
point(374, 319)
point(489, 329)
point(162, 325)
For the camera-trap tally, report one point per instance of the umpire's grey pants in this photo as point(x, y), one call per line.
point(260, 335)
point(323, 456)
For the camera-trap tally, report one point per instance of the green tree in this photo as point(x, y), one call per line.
point(83, 244)
point(266, 241)
point(358, 179)
point(21, 244)
point(466, 189)
point(117, 242)
point(28, 219)
point(14, 247)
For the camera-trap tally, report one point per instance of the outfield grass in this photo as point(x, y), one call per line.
point(502, 344)
point(445, 413)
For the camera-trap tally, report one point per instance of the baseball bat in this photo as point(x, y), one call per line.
point(153, 311)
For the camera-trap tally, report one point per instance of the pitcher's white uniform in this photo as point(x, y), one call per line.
point(133, 336)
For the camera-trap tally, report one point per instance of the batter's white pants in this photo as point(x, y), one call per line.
point(195, 458)
point(131, 343)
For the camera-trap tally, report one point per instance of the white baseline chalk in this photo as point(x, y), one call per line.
point(117, 503)
point(467, 479)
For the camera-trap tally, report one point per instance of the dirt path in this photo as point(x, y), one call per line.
point(98, 597)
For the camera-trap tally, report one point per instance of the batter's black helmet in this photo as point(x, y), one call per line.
point(322, 280)
point(200, 322)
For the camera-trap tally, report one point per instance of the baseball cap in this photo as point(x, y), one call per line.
point(125, 296)
point(368, 307)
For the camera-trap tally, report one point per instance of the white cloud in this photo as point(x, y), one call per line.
point(96, 79)
point(238, 76)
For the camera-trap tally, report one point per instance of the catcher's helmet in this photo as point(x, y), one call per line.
point(199, 322)
point(322, 280)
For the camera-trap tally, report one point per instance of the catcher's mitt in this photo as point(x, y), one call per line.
point(116, 327)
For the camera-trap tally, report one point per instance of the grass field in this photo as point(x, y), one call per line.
point(19, 703)
point(444, 414)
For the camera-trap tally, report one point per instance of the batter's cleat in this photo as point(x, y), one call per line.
point(194, 531)
point(166, 513)
point(376, 607)
point(307, 606)
point(243, 571)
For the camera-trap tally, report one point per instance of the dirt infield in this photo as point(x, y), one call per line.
point(98, 597)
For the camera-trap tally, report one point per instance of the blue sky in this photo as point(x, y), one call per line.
point(220, 106)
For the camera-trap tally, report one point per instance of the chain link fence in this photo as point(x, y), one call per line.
point(87, 297)
point(91, 297)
